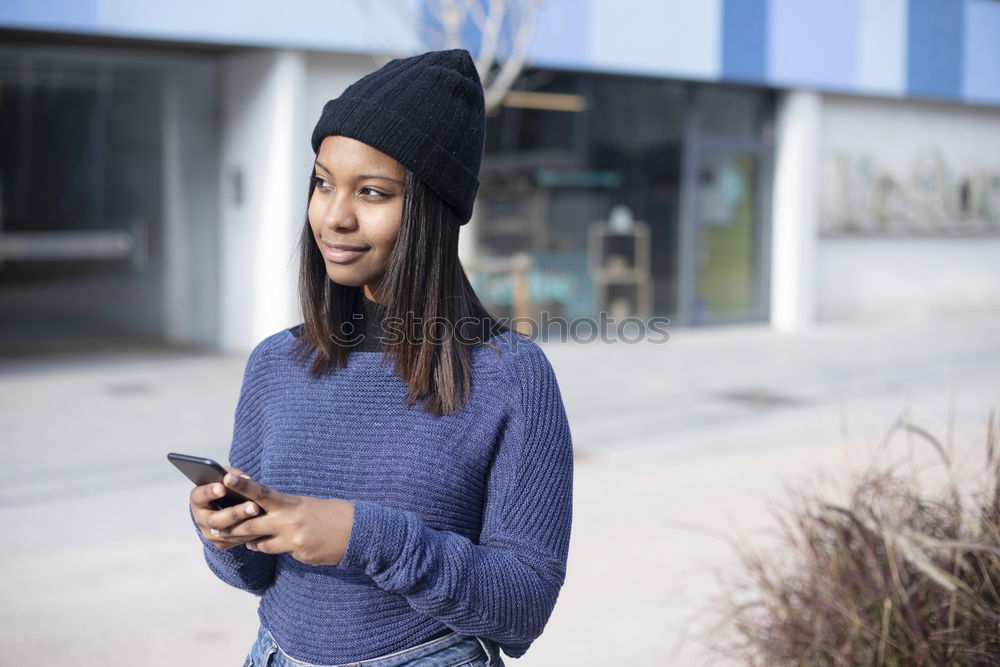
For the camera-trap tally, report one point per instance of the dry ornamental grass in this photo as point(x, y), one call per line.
point(899, 575)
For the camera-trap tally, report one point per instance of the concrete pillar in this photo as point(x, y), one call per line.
point(179, 262)
point(795, 212)
point(262, 194)
point(190, 280)
point(468, 242)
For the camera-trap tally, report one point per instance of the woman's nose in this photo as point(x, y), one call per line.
point(339, 213)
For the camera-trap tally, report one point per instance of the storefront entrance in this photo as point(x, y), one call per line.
point(96, 148)
point(627, 196)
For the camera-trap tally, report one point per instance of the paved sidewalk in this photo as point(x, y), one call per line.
point(675, 443)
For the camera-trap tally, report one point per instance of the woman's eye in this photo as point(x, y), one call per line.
point(372, 192)
point(322, 184)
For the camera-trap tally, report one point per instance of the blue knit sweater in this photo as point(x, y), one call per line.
point(461, 522)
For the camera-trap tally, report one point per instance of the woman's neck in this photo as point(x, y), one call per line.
point(372, 313)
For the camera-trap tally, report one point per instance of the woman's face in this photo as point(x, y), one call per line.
point(355, 210)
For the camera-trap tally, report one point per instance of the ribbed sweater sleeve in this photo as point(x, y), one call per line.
point(249, 570)
point(504, 585)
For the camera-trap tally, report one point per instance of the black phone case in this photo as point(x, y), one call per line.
point(203, 471)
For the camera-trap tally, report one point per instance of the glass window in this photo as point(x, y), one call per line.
point(731, 112)
point(81, 144)
point(534, 119)
point(728, 224)
point(82, 186)
point(549, 175)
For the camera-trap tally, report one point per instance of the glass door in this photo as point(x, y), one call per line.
point(80, 195)
point(725, 220)
point(728, 245)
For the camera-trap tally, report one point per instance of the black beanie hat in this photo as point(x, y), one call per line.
point(426, 112)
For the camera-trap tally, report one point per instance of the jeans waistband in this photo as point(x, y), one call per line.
point(452, 647)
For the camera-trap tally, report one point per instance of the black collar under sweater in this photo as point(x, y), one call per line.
point(369, 324)
point(367, 327)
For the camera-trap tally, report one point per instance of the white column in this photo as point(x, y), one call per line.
point(177, 251)
point(263, 192)
point(468, 242)
point(190, 283)
point(795, 219)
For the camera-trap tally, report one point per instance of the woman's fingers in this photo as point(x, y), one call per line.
point(220, 543)
point(231, 516)
point(236, 471)
point(266, 497)
point(249, 529)
point(213, 522)
point(216, 523)
point(265, 545)
point(252, 545)
point(252, 534)
point(203, 495)
point(223, 538)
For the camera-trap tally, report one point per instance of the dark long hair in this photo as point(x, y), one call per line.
point(423, 279)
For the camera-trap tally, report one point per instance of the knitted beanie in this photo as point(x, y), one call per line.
point(426, 112)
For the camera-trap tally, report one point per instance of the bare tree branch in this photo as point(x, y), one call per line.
point(512, 66)
point(505, 29)
point(488, 42)
point(475, 11)
point(451, 17)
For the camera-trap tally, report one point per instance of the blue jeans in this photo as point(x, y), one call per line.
point(451, 650)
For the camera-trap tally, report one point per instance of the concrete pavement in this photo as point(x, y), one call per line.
point(677, 443)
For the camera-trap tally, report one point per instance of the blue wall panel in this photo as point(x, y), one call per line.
point(882, 47)
point(981, 81)
point(934, 58)
point(744, 39)
point(667, 37)
point(77, 15)
point(814, 43)
point(947, 49)
point(562, 34)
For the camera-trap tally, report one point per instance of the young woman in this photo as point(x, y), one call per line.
point(407, 459)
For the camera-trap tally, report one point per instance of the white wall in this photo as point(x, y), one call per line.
point(271, 101)
point(896, 240)
point(898, 166)
point(262, 93)
point(907, 278)
point(190, 202)
point(794, 217)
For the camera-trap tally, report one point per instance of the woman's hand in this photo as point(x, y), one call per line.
point(211, 521)
point(314, 531)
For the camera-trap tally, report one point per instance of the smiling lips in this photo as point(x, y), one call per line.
point(340, 252)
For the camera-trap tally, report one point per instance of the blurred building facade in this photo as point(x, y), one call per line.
point(779, 161)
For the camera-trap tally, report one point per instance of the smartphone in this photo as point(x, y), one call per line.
point(205, 471)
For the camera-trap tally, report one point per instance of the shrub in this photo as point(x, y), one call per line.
point(897, 575)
